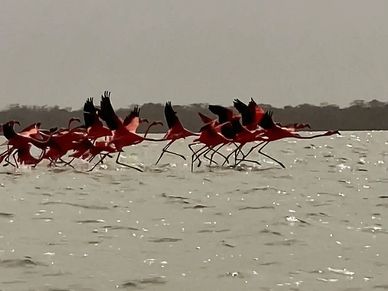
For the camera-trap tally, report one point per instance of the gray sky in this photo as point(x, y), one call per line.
point(277, 51)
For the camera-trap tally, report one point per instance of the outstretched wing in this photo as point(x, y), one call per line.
point(107, 113)
point(246, 114)
point(132, 121)
point(267, 122)
point(257, 112)
point(8, 130)
point(204, 118)
point(171, 117)
point(90, 113)
point(131, 116)
point(224, 114)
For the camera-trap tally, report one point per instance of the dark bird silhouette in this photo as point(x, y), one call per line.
point(175, 131)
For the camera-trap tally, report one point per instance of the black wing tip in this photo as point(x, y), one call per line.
point(252, 101)
point(105, 96)
point(136, 111)
point(268, 114)
point(214, 108)
point(169, 107)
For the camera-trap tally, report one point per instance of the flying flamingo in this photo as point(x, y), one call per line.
point(175, 131)
point(123, 132)
point(251, 114)
point(275, 132)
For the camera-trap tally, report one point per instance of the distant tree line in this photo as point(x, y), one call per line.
point(360, 115)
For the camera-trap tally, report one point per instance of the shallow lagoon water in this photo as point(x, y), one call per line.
point(319, 224)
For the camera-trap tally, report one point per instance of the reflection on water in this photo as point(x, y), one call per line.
point(319, 224)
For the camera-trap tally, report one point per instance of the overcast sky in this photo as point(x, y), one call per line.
point(279, 52)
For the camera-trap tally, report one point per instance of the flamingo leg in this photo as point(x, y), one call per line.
point(67, 163)
point(14, 158)
point(99, 162)
point(40, 158)
point(8, 162)
point(204, 154)
point(104, 156)
point(201, 152)
point(4, 155)
point(92, 158)
point(165, 150)
point(126, 165)
point(195, 154)
point(248, 153)
point(235, 152)
point(251, 161)
point(273, 159)
point(216, 151)
point(52, 162)
point(210, 159)
point(239, 151)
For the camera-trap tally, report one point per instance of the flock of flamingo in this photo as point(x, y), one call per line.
point(61, 146)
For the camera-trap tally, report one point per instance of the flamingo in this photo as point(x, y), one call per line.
point(251, 114)
point(123, 132)
point(273, 132)
point(175, 131)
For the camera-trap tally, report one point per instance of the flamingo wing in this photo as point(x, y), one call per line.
point(224, 114)
point(257, 112)
point(171, 116)
point(8, 130)
point(204, 118)
point(131, 121)
point(267, 122)
point(246, 114)
point(108, 114)
point(90, 113)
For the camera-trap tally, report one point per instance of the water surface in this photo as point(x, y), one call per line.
point(319, 224)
